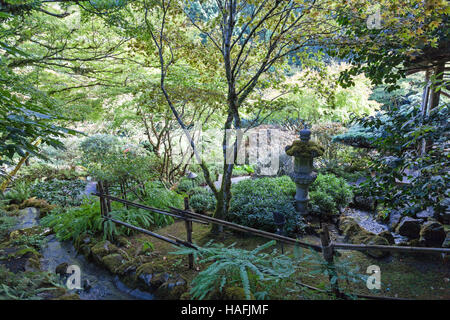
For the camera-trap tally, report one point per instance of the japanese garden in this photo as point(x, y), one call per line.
point(224, 150)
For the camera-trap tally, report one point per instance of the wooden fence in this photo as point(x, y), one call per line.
point(327, 247)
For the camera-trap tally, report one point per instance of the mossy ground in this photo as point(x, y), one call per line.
point(402, 276)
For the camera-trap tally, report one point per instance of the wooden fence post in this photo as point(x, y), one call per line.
point(328, 253)
point(108, 201)
point(102, 203)
point(188, 223)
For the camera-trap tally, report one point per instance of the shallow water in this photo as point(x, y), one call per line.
point(104, 286)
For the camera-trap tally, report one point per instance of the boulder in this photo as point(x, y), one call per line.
point(358, 235)
point(388, 236)
point(432, 234)
point(101, 249)
point(409, 227)
point(426, 214)
point(365, 203)
point(61, 269)
point(172, 289)
point(113, 262)
point(394, 219)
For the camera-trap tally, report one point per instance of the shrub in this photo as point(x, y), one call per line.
point(60, 192)
point(202, 200)
point(329, 194)
point(160, 197)
point(37, 171)
point(255, 200)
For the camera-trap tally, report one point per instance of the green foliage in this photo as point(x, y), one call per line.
point(403, 131)
point(140, 218)
point(18, 193)
point(60, 192)
point(341, 270)
point(255, 271)
point(40, 170)
point(161, 197)
point(6, 224)
point(329, 194)
point(202, 200)
point(74, 222)
point(243, 170)
point(255, 200)
point(26, 285)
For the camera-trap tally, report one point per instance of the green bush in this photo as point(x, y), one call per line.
point(162, 198)
point(329, 194)
point(60, 192)
point(202, 200)
point(255, 200)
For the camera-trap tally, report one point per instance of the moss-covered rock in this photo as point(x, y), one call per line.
point(101, 249)
point(388, 236)
point(113, 262)
point(43, 206)
point(172, 289)
point(408, 227)
point(432, 234)
point(305, 149)
point(357, 235)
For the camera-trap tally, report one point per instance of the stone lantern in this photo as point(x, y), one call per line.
point(303, 151)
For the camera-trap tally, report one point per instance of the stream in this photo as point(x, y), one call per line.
point(367, 221)
point(103, 285)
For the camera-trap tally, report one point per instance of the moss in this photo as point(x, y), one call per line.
point(101, 249)
point(172, 289)
point(150, 268)
point(43, 206)
point(236, 293)
point(305, 149)
point(12, 207)
point(68, 297)
point(186, 296)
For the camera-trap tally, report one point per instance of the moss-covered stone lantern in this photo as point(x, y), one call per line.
point(303, 151)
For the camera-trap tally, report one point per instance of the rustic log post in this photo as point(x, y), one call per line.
point(188, 223)
point(100, 192)
point(328, 253)
point(108, 201)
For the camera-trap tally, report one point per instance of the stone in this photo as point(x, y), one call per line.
point(61, 269)
point(394, 219)
point(365, 203)
point(113, 262)
point(388, 236)
point(87, 285)
point(409, 227)
point(172, 289)
point(432, 233)
point(101, 249)
point(158, 279)
point(426, 214)
point(377, 240)
point(446, 243)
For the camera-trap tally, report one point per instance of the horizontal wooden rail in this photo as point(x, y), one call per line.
point(141, 206)
point(239, 227)
point(342, 246)
point(364, 247)
point(176, 242)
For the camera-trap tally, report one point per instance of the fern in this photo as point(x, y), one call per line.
point(232, 266)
